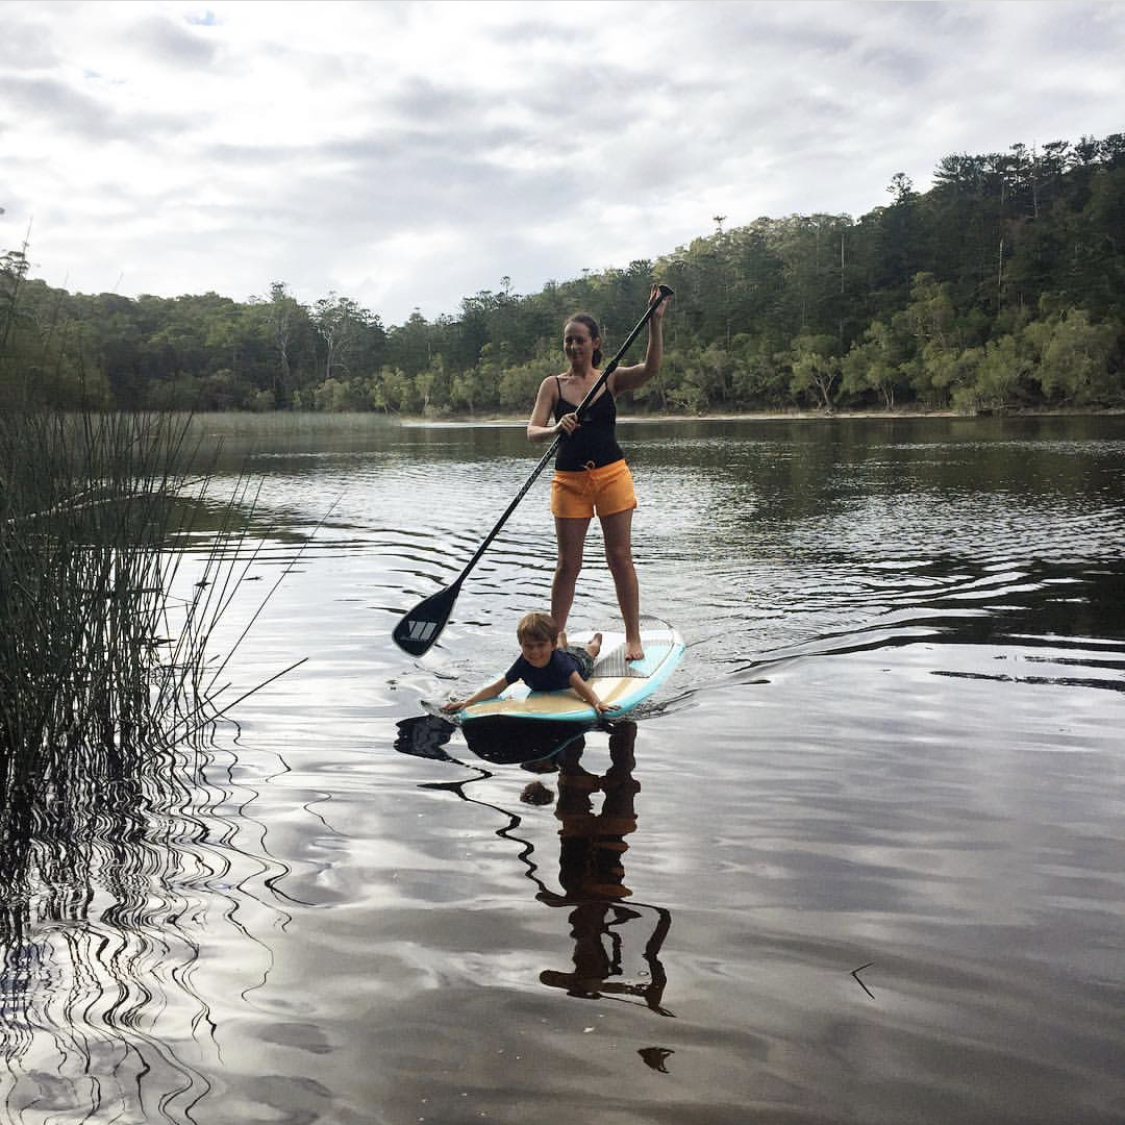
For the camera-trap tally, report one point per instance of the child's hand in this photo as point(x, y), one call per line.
point(453, 705)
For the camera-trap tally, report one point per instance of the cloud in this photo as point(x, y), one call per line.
point(26, 46)
point(64, 110)
point(417, 152)
point(172, 43)
point(55, 104)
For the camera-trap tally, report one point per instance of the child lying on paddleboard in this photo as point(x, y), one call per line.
point(543, 666)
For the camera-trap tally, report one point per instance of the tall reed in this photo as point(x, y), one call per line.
point(102, 669)
point(87, 512)
point(108, 684)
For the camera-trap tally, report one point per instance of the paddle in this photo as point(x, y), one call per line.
point(422, 626)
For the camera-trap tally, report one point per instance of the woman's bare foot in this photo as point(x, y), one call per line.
point(594, 646)
point(561, 642)
point(634, 650)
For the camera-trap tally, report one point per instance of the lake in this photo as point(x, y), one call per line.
point(861, 861)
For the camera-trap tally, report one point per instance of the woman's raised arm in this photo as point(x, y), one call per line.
point(626, 378)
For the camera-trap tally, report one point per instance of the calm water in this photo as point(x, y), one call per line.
point(862, 863)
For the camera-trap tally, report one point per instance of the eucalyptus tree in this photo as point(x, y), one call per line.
point(1096, 275)
point(1072, 357)
point(893, 241)
point(283, 319)
point(340, 323)
point(432, 387)
point(816, 370)
point(875, 364)
point(410, 346)
point(1000, 377)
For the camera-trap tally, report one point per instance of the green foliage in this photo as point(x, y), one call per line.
point(875, 364)
point(999, 372)
point(1002, 286)
point(1071, 357)
point(815, 369)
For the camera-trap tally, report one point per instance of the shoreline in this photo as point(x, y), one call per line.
point(783, 416)
point(236, 421)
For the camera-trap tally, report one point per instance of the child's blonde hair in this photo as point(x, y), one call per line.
point(537, 627)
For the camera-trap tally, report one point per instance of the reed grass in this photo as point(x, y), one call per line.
point(100, 665)
point(110, 687)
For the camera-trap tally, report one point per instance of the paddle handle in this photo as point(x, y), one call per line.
point(611, 367)
point(579, 410)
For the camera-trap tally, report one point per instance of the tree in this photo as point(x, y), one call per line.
point(339, 322)
point(1072, 357)
point(283, 314)
point(432, 383)
point(815, 369)
point(410, 346)
point(393, 391)
point(917, 296)
point(930, 317)
point(901, 188)
point(875, 364)
point(1000, 371)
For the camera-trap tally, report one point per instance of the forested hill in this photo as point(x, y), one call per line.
point(1003, 286)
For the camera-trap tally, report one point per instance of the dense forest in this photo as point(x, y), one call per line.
point(1002, 287)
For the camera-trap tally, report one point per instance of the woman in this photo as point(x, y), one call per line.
point(591, 476)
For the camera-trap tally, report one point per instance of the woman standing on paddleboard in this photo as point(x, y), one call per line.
point(591, 474)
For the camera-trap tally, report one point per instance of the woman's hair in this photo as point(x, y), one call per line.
point(595, 332)
point(537, 627)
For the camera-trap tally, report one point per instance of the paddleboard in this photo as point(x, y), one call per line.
point(620, 683)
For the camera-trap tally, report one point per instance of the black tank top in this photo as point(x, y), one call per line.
point(595, 440)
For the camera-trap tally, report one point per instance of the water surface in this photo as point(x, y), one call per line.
point(861, 863)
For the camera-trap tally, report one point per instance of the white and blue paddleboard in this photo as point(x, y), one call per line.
point(621, 684)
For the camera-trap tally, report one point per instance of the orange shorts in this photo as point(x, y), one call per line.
point(606, 490)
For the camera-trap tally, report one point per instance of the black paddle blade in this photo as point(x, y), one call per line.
point(422, 626)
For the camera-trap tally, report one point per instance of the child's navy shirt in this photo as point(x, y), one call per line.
point(553, 676)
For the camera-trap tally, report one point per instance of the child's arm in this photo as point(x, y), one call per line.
point(584, 691)
point(491, 691)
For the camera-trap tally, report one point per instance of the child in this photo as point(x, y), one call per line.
point(543, 667)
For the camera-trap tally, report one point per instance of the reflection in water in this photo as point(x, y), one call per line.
point(90, 936)
point(104, 879)
point(425, 736)
point(592, 851)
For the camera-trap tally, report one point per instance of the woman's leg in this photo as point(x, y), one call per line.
point(618, 532)
point(571, 536)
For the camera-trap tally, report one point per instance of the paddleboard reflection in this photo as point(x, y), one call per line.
point(616, 951)
point(503, 742)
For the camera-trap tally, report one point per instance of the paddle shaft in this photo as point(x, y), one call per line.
point(579, 410)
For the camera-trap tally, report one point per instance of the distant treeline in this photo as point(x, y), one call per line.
point(1001, 287)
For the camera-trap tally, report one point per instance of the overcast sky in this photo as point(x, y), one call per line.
point(410, 154)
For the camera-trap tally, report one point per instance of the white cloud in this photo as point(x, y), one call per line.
point(409, 154)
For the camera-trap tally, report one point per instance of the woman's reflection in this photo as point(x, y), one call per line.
point(592, 874)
